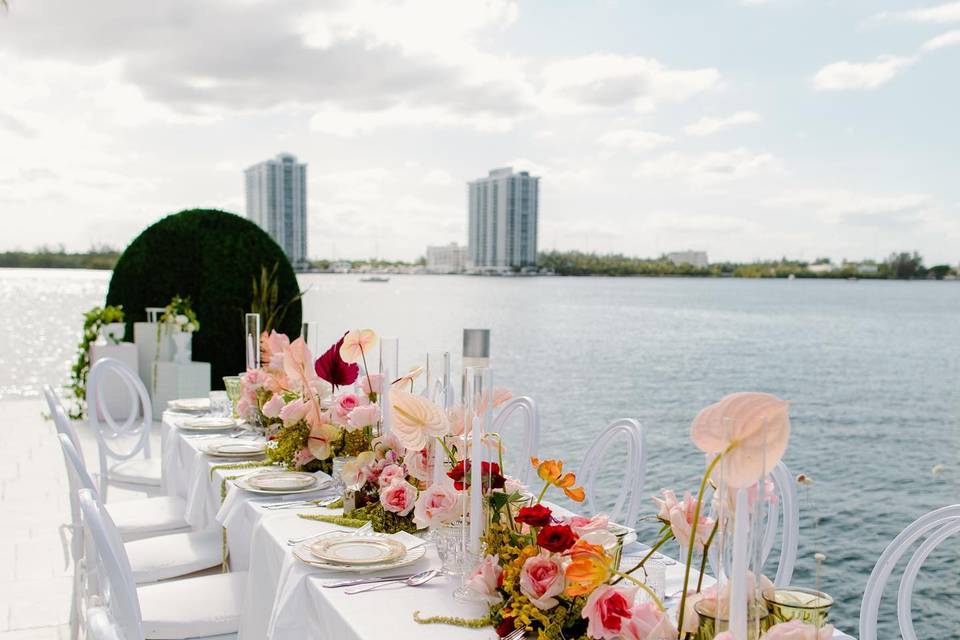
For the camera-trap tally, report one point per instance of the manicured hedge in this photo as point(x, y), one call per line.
point(212, 257)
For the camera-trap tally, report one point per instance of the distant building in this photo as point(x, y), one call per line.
point(277, 201)
point(867, 268)
point(448, 258)
point(696, 259)
point(821, 267)
point(502, 220)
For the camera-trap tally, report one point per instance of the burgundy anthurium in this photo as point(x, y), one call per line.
point(332, 368)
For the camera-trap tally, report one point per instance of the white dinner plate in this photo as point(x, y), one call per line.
point(234, 449)
point(282, 481)
point(302, 553)
point(357, 550)
point(190, 405)
point(208, 423)
point(244, 484)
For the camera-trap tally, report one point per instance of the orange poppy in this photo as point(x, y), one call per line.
point(589, 567)
point(551, 472)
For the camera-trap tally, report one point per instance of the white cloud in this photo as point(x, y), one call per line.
point(845, 76)
point(604, 80)
point(633, 139)
point(707, 126)
point(709, 167)
point(947, 39)
point(949, 12)
point(438, 177)
point(845, 206)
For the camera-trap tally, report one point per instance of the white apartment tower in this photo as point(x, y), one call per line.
point(277, 201)
point(502, 222)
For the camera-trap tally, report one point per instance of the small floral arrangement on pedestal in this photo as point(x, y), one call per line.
point(559, 578)
point(178, 316)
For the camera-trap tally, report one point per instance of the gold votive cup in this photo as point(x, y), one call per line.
point(799, 603)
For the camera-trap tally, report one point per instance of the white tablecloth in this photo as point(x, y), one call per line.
point(285, 599)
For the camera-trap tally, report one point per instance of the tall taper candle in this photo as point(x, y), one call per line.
point(738, 572)
point(476, 485)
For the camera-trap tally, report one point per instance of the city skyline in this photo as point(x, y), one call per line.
point(651, 133)
point(502, 220)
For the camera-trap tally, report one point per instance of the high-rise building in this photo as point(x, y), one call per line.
point(448, 258)
point(502, 220)
point(277, 201)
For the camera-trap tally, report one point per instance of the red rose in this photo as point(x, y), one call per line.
point(457, 474)
point(506, 627)
point(535, 516)
point(557, 538)
point(489, 475)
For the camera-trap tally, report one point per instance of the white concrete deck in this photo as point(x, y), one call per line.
point(35, 588)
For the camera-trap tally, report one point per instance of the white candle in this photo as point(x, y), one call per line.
point(476, 487)
point(385, 401)
point(738, 572)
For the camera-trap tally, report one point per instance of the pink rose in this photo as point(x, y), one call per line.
point(797, 630)
point(294, 411)
point(680, 517)
point(419, 464)
point(438, 504)
point(485, 580)
point(541, 578)
point(272, 407)
point(363, 416)
point(606, 609)
point(344, 404)
point(398, 497)
point(595, 530)
point(647, 622)
point(302, 457)
point(245, 409)
point(371, 383)
point(390, 473)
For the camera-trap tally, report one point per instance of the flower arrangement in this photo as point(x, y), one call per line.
point(179, 316)
point(559, 578)
point(93, 321)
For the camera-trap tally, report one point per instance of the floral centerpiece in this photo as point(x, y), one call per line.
point(559, 578)
point(179, 316)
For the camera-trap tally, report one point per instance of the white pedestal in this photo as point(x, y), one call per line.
point(190, 380)
point(115, 394)
point(145, 337)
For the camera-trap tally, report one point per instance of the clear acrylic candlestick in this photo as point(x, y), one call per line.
point(438, 377)
point(252, 340)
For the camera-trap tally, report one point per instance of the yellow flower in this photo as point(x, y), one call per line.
point(589, 567)
point(551, 472)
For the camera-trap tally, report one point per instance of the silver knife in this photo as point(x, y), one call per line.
point(350, 583)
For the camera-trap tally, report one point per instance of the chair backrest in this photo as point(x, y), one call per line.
point(937, 526)
point(783, 506)
point(119, 587)
point(62, 421)
point(531, 432)
point(113, 437)
point(101, 625)
point(627, 506)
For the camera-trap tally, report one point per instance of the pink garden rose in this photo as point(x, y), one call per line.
point(486, 580)
point(541, 578)
point(245, 409)
point(272, 407)
point(606, 610)
point(680, 517)
point(344, 404)
point(419, 464)
point(362, 416)
point(371, 383)
point(438, 504)
point(797, 630)
point(390, 473)
point(647, 622)
point(294, 411)
point(302, 457)
point(398, 497)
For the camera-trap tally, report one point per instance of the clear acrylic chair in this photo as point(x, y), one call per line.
point(627, 506)
point(202, 607)
point(934, 527)
point(124, 441)
point(527, 408)
point(783, 521)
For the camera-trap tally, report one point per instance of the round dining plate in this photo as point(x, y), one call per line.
point(234, 449)
point(282, 481)
point(208, 423)
point(355, 550)
point(190, 404)
point(302, 553)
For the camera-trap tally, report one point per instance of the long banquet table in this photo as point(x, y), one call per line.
point(285, 599)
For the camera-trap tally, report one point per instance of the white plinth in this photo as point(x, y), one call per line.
point(173, 381)
point(115, 394)
point(145, 337)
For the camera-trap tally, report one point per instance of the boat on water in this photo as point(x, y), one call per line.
point(375, 279)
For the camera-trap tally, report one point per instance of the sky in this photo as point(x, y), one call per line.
point(746, 128)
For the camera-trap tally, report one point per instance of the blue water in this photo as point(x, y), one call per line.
point(872, 370)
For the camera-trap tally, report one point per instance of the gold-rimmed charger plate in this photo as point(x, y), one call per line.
point(280, 481)
point(208, 423)
point(190, 405)
point(357, 550)
point(235, 449)
point(302, 553)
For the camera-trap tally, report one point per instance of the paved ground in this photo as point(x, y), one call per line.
point(34, 585)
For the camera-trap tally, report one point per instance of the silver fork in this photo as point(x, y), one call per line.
point(516, 634)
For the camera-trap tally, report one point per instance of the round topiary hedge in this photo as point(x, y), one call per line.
point(212, 257)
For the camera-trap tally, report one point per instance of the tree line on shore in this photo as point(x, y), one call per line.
point(901, 265)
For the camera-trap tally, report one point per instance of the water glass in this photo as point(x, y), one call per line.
point(220, 405)
point(232, 386)
point(655, 576)
point(337, 472)
point(449, 542)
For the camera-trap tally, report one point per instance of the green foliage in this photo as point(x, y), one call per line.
point(58, 258)
point(577, 263)
point(905, 266)
point(93, 321)
point(267, 301)
point(384, 521)
point(180, 307)
point(212, 257)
